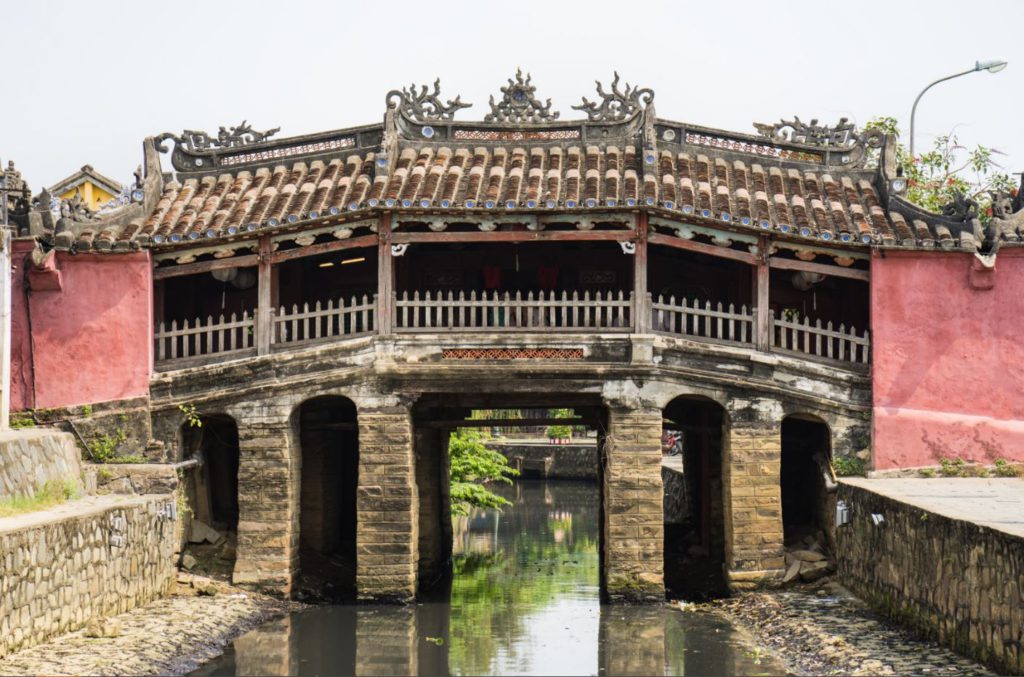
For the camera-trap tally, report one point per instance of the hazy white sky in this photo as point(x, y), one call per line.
point(87, 81)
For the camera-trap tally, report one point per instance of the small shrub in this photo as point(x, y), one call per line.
point(974, 470)
point(87, 410)
point(104, 474)
point(848, 466)
point(926, 472)
point(952, 467)
point(103, 448)
point(20, 422)
point(1005, 469)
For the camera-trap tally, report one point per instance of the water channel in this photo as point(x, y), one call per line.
point(525, 599)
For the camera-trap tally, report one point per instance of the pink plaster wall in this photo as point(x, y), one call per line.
point(948, 367)
point(91, 340)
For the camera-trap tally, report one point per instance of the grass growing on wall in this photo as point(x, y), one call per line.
point(47, 495)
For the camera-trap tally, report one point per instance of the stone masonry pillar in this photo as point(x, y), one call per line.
point(268, 499)
point(752, 461)
point(634, 521)
point(386, 506)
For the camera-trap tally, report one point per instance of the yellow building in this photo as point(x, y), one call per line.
point(96, 190)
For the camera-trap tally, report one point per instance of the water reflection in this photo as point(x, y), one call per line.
point(524, 599)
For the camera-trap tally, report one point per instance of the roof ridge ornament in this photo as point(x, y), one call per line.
point(842, 134)
point(424, 105)
point(240, 135)
point(616, 105)
point(519, 104)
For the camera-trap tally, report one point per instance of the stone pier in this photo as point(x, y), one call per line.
point(634, 522)
point(268, 499)
point(753, 525)
point(387, 506)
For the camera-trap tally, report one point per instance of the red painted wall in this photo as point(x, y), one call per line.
point(948, 367)
point(91, 340)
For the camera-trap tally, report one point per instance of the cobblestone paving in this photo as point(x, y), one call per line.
point(171, 636)
point(824, 630)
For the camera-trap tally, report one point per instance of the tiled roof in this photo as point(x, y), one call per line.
point(751, 194)
point(814, 182)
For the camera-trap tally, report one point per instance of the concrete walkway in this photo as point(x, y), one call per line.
point(994, 503)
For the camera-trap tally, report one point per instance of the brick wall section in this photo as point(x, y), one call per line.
point(754, 541)
point(268, 501)
point(59, 568)
point(634, 522)
point(386, 538)
point(950, 580)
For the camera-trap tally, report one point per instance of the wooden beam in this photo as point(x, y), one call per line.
point(164, 272)
point(265, 299)
point(516, 236)
point(702, 248)
point(385, 275)
point(324, 248)
point(641, 309)
point(822, 268)
point(762, 300)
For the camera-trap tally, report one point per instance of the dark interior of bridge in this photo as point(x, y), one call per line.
point(805, 456)
point(329, 440)
point(694, 509)
point(212, 488)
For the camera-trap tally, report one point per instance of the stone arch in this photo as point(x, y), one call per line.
point(212, 486)
point(326, 431)
point(806, 482)
point(695, 436)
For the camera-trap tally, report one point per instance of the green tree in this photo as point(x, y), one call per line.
point(936, 176)
point(560, 432)
point(472, 466)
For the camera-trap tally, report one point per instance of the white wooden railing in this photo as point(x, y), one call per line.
point(321, 322)
point(221, 336)
point(513, 312)
point(497, 312)
point(806, 338)
point(704, 321)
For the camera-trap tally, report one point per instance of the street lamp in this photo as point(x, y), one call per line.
point(993, 66)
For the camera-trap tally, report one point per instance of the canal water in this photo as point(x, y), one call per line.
point(524, 600)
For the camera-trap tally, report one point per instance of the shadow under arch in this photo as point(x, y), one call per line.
point(327, 431)
point(695, 428)
point(806, 481)
point(212, 489)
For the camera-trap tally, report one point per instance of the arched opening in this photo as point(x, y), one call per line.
point(693, 431)
point(329, 439)
point(807, 485)
point(212, 490)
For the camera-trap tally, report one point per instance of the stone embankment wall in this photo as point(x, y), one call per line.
point(31, 458)
point(957, 582)
point(568, 461)
point(95, 557)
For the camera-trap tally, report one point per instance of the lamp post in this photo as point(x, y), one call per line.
point(993, 66)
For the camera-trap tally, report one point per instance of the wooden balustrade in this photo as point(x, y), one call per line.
point(512, 312)
point(707, 321)
point(812, 339)
point(325, 321)
point(505, 312)
point(232, 335)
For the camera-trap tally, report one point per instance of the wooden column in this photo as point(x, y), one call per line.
point(641, 310)
point(385, 276)
point(762, 282)
point(265, 299)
